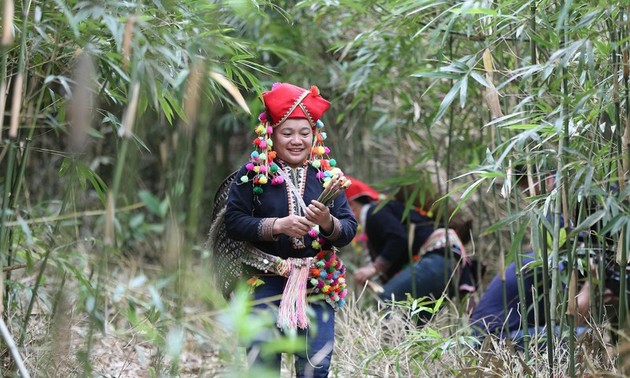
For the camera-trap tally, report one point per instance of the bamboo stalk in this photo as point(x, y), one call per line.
point(10, 343)
point(40, 274)
point(4, 245)
point(617, 140)
point(8, 11)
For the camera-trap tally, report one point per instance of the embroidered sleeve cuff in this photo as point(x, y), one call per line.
point(265, 229)
point(336, 230)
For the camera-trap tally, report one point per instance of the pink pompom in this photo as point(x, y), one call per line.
point(326, 150)
point(250, 166)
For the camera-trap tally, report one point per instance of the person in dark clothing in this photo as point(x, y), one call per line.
point(388, 241)
point(420, 267)
point(499, 310)
point(288, 203)
point(493, 316)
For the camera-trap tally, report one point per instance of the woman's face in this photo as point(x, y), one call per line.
point(293, 141)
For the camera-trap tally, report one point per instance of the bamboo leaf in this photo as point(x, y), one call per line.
point(447, 101)
point(232, 90)
point(587, 223)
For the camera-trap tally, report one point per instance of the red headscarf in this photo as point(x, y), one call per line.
point(285, 101)
point(360, 189)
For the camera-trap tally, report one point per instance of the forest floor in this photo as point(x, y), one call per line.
point(367, 343)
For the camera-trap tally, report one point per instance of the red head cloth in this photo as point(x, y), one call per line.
point(360, 189)
point(289, 101)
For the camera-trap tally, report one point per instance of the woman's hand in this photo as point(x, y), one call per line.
point(318, 213)
point(364, 274)
point(292, 225)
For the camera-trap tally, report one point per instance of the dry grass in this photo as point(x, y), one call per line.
point(383, 343)
point(372, 341)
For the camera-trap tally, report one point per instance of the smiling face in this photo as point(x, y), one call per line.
point(293, 141)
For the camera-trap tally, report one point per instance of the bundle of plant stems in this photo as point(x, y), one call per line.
point(333, 188)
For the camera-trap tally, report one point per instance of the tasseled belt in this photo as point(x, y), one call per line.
point(326, 273)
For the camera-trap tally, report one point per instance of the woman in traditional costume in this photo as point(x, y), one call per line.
point(411, 253)
point(288, 203)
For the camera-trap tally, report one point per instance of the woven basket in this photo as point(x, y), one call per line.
point(225, 253)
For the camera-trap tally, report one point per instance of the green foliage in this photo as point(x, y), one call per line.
point(448, 94)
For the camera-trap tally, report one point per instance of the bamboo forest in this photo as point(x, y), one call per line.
point(142, 143)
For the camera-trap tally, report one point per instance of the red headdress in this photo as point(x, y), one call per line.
point(289, 101)
point(360, 189)
point(285, 101)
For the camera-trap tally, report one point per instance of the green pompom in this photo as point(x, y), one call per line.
point(258, 190)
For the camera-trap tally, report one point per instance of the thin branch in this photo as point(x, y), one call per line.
point(8, 340)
